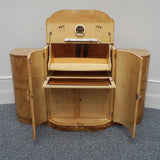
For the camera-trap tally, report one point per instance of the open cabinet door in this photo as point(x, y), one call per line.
point(37, 74)
point(127, 77)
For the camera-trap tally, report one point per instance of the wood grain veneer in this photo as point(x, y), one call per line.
point(145, 68)
point(18, 59)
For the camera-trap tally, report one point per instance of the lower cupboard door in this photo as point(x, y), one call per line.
point(128, 77)
point(37, 74)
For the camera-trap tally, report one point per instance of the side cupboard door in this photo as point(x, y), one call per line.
point(37, 74)
point(127, 78)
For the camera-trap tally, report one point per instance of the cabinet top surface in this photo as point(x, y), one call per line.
point(140, 52)
point(79, 25)
point(22, 51)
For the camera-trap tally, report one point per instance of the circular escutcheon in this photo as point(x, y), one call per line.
point(79, 30)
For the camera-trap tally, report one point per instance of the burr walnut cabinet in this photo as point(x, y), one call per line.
point(80, 81)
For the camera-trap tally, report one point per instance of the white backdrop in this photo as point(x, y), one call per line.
point(22, 25)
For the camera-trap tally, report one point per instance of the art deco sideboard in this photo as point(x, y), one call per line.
point(80, 81)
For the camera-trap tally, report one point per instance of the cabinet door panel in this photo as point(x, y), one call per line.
point(95, 103)
point(128, 77)
point(37, 73)
point(63, 103)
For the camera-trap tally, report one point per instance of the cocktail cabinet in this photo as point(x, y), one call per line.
point(80, 81)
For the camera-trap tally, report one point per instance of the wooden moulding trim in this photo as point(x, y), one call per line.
point(79, 127)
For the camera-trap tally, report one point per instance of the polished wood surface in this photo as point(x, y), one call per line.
point(36, 67)
point(62, 25)
point(104, 66)
point(145, 67)
point(80, 60)
point(74, 109)
point(95, 103)
point(75, 103)
point(63, 102)
point(98, 126)
point(128, 78)
point(63, 57)
point(22, 51)
point(83, 83)
point(19, 67)
point(22, 98)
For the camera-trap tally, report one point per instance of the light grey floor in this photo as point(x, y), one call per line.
point(114, 143)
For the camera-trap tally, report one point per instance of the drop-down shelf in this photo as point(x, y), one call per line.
point(79, 64)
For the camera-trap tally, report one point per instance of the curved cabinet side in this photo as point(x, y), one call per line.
point(18, 58)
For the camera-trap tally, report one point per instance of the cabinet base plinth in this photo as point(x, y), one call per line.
point(79, 127)
point(139, 119)
point(24, 120)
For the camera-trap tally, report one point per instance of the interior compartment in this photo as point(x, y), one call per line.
point(79, 57)
point(78, 106)
point(73, 67)
point(80, 74)
point(70, 50)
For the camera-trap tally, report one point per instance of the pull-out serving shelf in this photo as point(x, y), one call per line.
point(79, 82)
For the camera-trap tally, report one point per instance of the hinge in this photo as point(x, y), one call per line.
point(32, 96)
point(137, 96)
point(30, 61)
point(47, 114)
point(111, 114)
point(27, 95)
point(115, 55)
point(43, 55)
